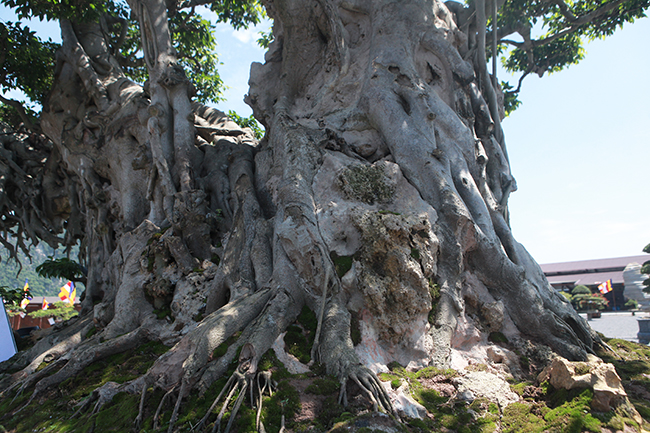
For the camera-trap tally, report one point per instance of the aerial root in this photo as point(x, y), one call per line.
point(100, 397)
point(177, 406)
point(25, 405)
point(255, 384)
point(237, 380)
point(159, 408)
point(281, 423)
point(265, 377)
point(29, 380)
point(138, 419)
point(242, 393)
point(367, 381)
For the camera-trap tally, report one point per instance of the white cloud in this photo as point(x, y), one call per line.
point(245, 35)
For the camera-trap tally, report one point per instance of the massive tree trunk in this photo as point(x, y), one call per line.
point(378, 196)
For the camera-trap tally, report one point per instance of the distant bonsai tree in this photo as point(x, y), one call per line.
point(581, 290)
point(583, 299)
point(13, 297)
point(59, 311)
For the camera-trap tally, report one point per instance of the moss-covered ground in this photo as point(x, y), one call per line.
point(541, 408)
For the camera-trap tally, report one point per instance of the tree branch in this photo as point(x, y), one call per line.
point(80, 60)
point(35, 128)
point(576, 23)
point(130, 62)
point(564, 9)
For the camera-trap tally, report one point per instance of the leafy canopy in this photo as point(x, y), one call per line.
point(13, 297)
point(563, 26)
point(61, 268)
point(27, 62)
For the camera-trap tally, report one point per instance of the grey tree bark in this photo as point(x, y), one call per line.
point(383, 149)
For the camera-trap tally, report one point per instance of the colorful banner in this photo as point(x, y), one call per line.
point(605, 287)
point(25, 302)
point(68, 292)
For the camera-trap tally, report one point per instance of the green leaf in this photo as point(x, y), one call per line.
point(61, 268)
point(248, 122)
point(238, 13)
point(28, 61)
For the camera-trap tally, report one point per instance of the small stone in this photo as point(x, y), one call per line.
point(595, 374)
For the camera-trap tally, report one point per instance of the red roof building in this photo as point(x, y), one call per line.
point(623, 271)
point(18, 322)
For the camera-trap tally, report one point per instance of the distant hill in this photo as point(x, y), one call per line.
point(38, 285)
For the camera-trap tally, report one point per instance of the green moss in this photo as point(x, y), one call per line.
point(570, 412)
point(632, 362)
point(297, 344)
point(342, 264)
point(270, 362)
point(398, 372)
point(245, 422)
point(52, 414)
point(559, 411)
point(430, 398)
point(221, 349)
point(434, 291)
point(387, 377)
point(299, 337)
point(328, 385)
point(366, 183)
point(517, 417)
point(429, 372)
point(284, 401)
point(524, 361)
point(415, 253)
point(163, 312)
point(308, 320)
point(497, 337)
point(330, 411)
point(118, 368)
point(582, 368)
point(519, 388)
point(421, 425)
point(573, 415)
point(118, 415)
point(92, 331)
point(47, 416)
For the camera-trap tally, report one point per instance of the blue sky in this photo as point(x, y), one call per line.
point(578, 145)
